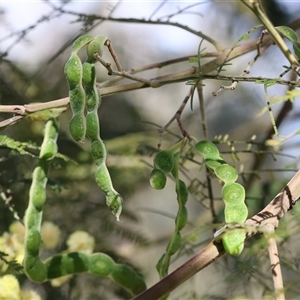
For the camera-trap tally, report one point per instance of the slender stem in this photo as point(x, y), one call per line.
point(276, 269)
point(254, 5)
point(216, 44)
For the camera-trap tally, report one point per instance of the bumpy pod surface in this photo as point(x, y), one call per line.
point(158, 179)
point(164, 161)
point(233, 195)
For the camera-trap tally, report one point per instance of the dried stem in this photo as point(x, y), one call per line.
point(276, 270)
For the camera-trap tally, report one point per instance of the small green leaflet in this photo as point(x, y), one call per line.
point(288, 33)
point(296, 47)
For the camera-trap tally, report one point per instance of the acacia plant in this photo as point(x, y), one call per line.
point(251, 221)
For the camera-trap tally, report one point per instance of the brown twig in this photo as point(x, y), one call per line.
point(275, 267)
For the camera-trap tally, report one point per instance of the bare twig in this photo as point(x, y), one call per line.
point(177, 117)
point(275, 267)
point(217, 45)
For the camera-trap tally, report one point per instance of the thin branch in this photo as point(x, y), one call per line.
point(217, 45)
point(276, 269)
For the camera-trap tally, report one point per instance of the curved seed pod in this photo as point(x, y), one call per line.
point(93, 99)
point(233, 241)
point(88, 75)
point(113, 199)
point(181, 218)
point(164, 161)
point(73, 71)
point(182, 214)
point(226, 173)
point(182, 193)
point(33, 266)
point(66, 264)
point(233, 193)
point(101, 264)
point(33, 242)
point(96, 46)
point(38, 195)
point(158, 179)
point(98, 152)
point(35, 269)
point(236, 213)
point(93, 127)
point(213, 164)
point(81, 42)
point(77, 99)
point(208, 150)
point(98, 264)
point(77, 127)
point(174, 244)
point(126, 277)
point(49, 146)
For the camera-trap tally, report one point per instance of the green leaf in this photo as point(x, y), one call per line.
point(296, 47)
point(287, 32)
point(21, 147)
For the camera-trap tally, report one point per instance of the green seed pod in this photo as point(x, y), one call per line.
point(96, 46)
point(236, 213)
point(174, 244)
point(213, 164)
point(158, 179)
point(77, 99)
point(100, 264)
point(163, 264)
point(181, 218)
point(233, 193)
point(73, 71)
point(40, 172)
point(48, 149)
point(93, 128)
point(99, 153)
point(33, 241)
point(182, 193)
point(164, 161)
point(75, 262)
point(114, 202)
point(81, 42)
point(103, 179)
point(34, 268)
point(208, 150)
point(88, 75)
point(77, 127)
point(37, 194)
point(126, 277)
point(92, 100)
point(30, 218)
point(70, 263)
point(233, 241)
point(49, 146)
point(226, 173)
